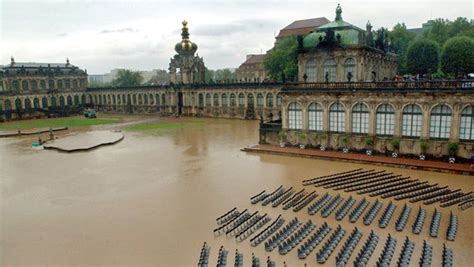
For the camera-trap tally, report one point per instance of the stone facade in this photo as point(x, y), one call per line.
point(348, 116)
point(252, 70)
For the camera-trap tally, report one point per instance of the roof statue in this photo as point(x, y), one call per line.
point(338, 13)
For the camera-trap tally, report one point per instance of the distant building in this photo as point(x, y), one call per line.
point(252, 70)
point(26, 77)
point(301, 27)
point(425, 27)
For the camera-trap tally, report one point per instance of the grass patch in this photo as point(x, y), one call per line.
point(70, 122)
point(161, 127)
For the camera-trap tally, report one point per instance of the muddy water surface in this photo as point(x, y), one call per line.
point(153, 200)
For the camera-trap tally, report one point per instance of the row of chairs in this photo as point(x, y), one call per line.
point(447, 256)
point(373, 189)
point(417, 190)
point(367, 250)
point(403, 218)
point(331, 206)
point(466, 204)
point(204, 256)
point(324, 253)
point(274, 195)
point(419, 221)
point(324, 179)
point(278, 237)
point(355, 214)
point(453, 227)
point(321, 178)
point(370, 179)
point(317, 205)
point(258, 197)
point(402, 191)
point(457, 200)
point(426, 254)
point(444, 197)
point(367, 186)
point(387, 215)
point(228, 216)
point(307, 247)
point(272, 228)
point(252, 228)
point(255, 261)
point(305, 201)
point(244, 224)
point(344, 209)
point(429, 195)
point(435, 222)
point(294, 199)
point(391, 188)
point(345, 253)
point(387, 252)
point(239, 259)
point(283, 197)
point(355, 180)
point(222, 257)
point(232, 223)
point(405, 254)
point(292, 241)
point(370, 216)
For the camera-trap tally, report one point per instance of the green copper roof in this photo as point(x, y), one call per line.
point(348, 37)
point(337, 24)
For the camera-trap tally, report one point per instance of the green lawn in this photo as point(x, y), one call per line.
point(70, 122)
point(161, 127)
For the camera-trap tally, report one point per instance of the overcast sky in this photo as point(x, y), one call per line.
point(102, 35)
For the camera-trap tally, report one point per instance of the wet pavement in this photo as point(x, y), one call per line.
point(84, 141)
point(153, 200)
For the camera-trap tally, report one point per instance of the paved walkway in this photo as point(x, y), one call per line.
point(440, 166)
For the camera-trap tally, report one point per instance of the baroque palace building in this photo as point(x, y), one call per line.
point(342, 98)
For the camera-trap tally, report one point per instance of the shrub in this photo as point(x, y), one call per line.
point(423, 56)
point(424, 146)
point(453, 149)
point(395, 143)
point(369, 141)
point(458, 56)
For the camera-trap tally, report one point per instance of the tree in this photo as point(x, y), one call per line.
point(443, 29)
point(127, 78)
point(400, 38)
point(458, 56)
point(282, 61)
point(423, 56)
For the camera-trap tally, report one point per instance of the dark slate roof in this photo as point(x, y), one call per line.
point(301, 27)
point(41, 68)
point(37, 65)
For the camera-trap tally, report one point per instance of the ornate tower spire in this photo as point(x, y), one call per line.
point(338, 12)
point(12, 61)
point(185, 46)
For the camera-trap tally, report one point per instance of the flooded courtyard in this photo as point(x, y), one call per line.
point(153, 199)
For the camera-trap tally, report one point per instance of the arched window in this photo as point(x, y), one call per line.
point(163, 100)
point(54, 102)
point(349, 67)
point(310, 70)
point(145, 99)
point(60, 84)
point(208, 99)
point(74, 83)
point(241, 100)
point(157, 98)
point(134, 99)
point(360, 118)
point(224, 100)
point(69, 100)
point(385, 120)
point(232, 100)
point(34, 85)
point(337, 118)
point(279, 100)
point(18, 104)
point(466, 129)
point(44, 102)
point(27, 105)
point(15, 85)
point(43, 85)
point(83, 99)
point(8, 105)
point(269, 100)
point(259, 100)
point(140, 100)
point(24, 85)
point(315, 117)
point(440, 122)
point(201, 100)
point(412, 121)
point(76, 100)
point(295, 116)
point(61, 101)
point(216, 100)
point(36, 103)
point(250, 99)
point(151, 99)
point(329, 70)
point(51, 84)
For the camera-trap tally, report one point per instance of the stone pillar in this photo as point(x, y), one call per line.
point(425, 131)
point(284, 114)
point(304, 107)
point(325, 117)
point(455, 124)
point(348, 118)
point(397, 131)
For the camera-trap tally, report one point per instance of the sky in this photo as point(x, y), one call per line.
point(140, 35)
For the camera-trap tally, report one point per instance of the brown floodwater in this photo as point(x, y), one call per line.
point(152, 200)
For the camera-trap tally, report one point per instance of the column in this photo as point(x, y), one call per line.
point(455, 124)
point(425, 131)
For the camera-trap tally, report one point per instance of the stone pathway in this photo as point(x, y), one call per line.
point(440, 166)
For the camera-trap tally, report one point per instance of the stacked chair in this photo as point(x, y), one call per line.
point(341, 213)
point(318, 204)
point(204, 256)
point(260, 237)
point(222, 257)
point(405, 255)
point(305, 201)
point(355, 214)
point(239, 259)
point(330, 245)
point(277, 238)
point(255, 261)
point(283, 197)
point(426, 255)
point(435, 222)
point(363, 256)
point(387, 215)
point(447, 256)
point(402, 220)
point(419, 221)
point(293, 199)
point(326, 211)
point(343, 256)
point(292, 241)
point(370, 216)
point(313, 241)
point(387, 252)
point(453, 227)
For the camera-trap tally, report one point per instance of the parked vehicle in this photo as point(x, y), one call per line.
point(90, 113)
